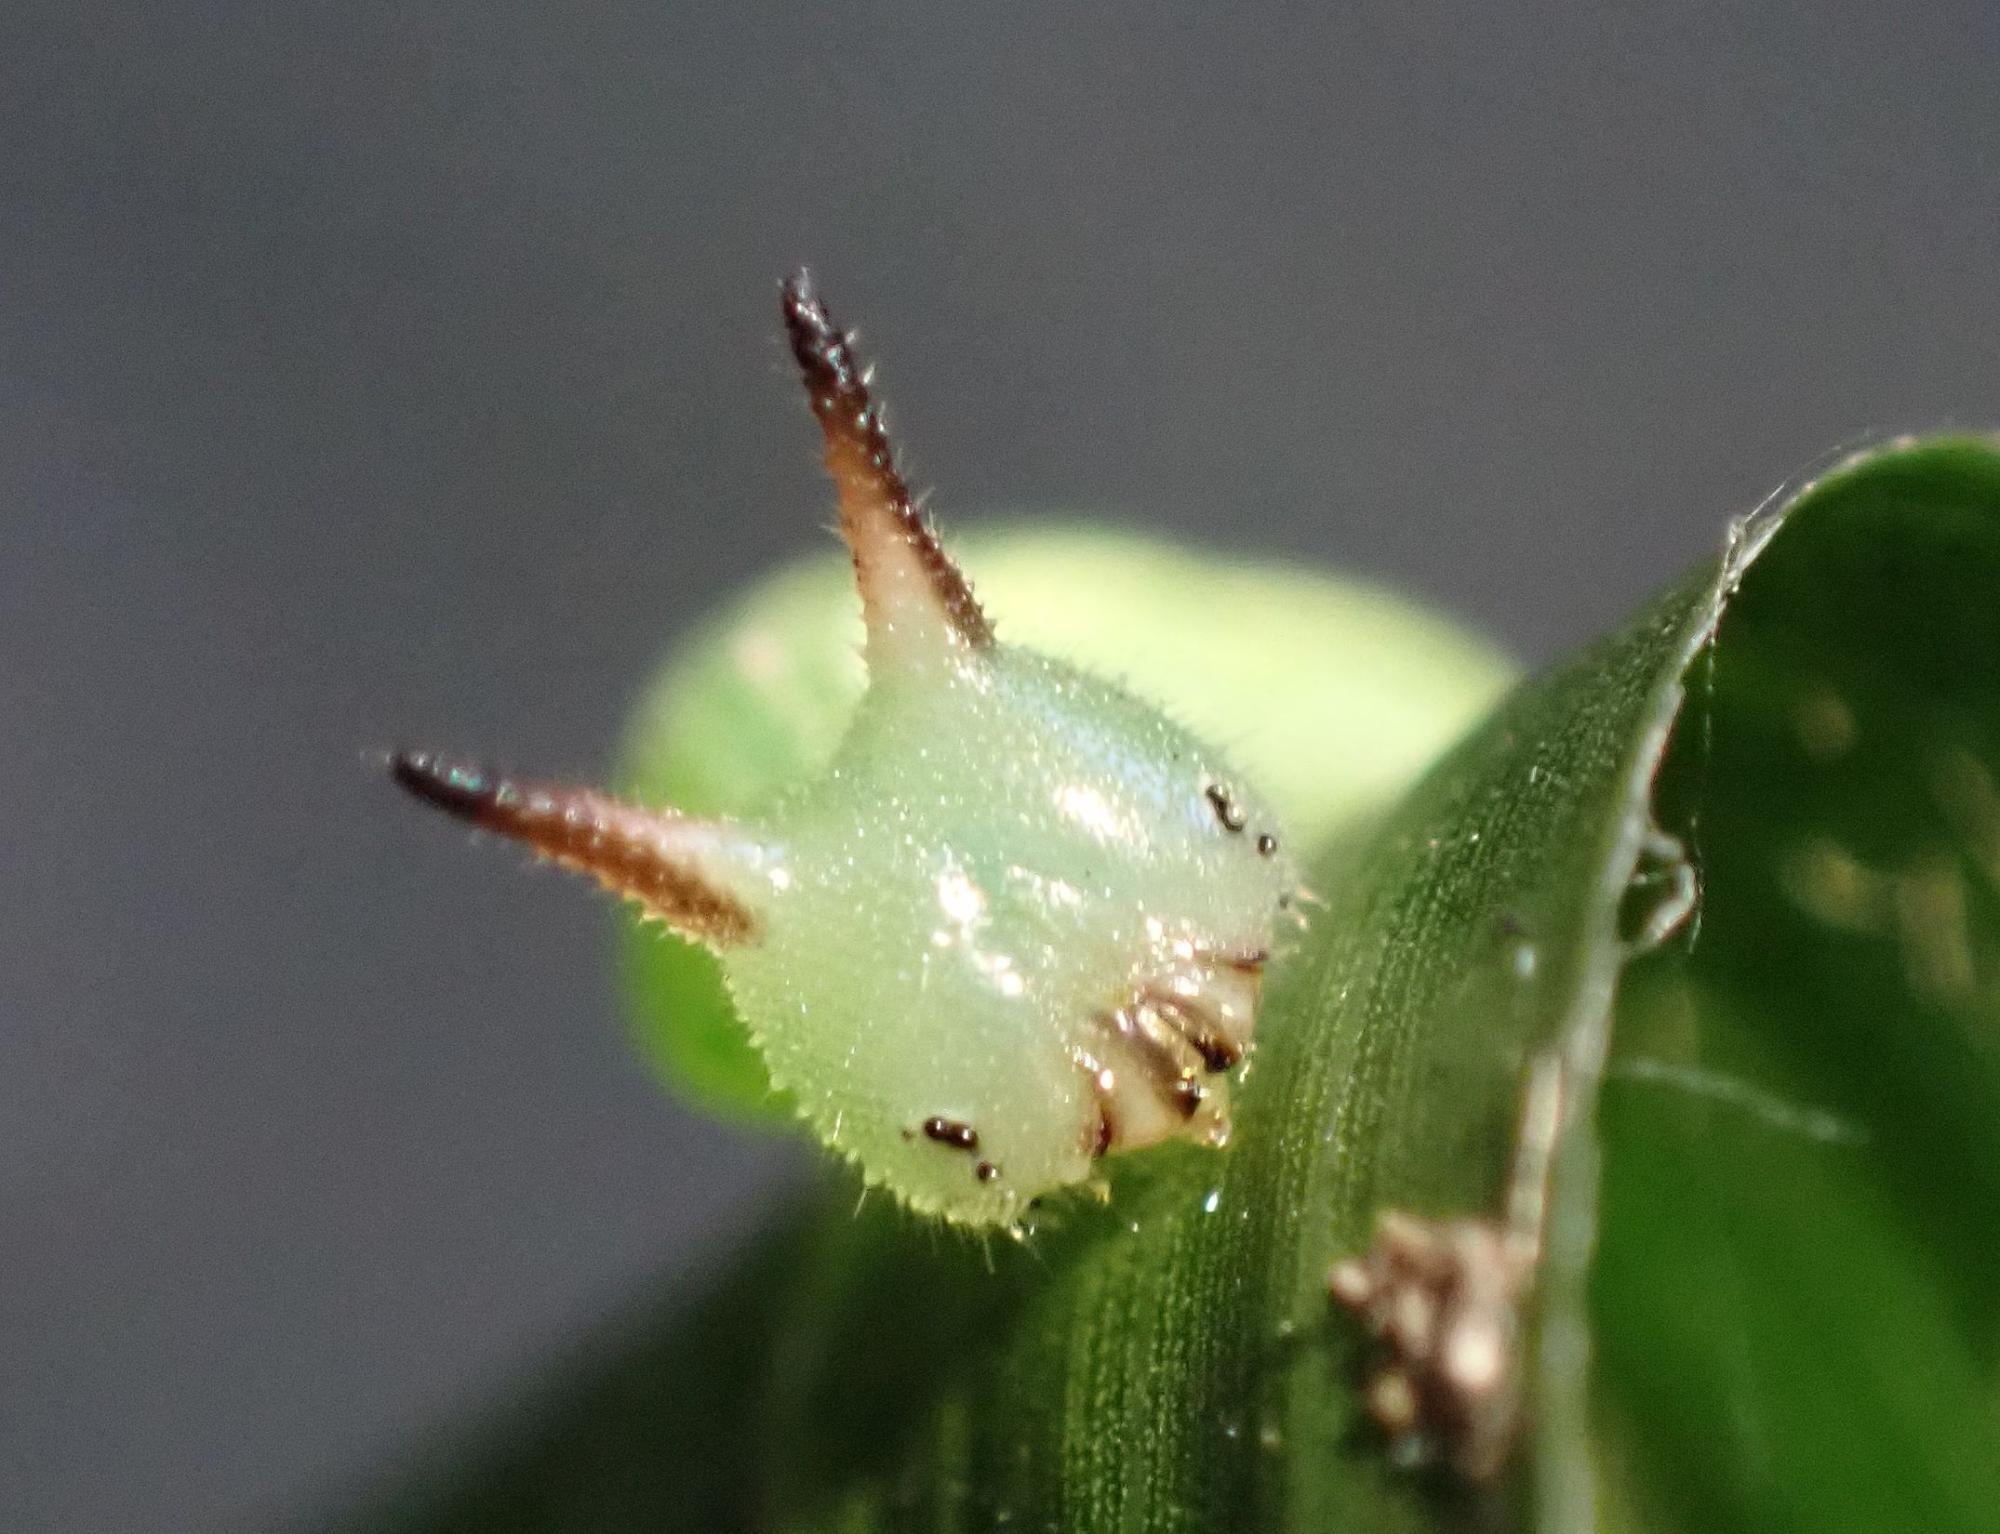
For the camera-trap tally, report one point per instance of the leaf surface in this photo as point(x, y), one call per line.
point(1770, 1299)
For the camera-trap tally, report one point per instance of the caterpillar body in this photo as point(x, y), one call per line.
point(1018, 923)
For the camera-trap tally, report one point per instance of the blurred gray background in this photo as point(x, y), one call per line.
point(409, 373)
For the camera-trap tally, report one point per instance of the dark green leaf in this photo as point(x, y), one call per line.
point(1771, 1300)
point(1796, 1295)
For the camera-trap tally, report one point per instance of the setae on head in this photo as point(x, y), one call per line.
point(1017, 924)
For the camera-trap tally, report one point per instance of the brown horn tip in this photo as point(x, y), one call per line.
point(700, 877)
point(907, 582)
point(454, 787)
point(823, 351)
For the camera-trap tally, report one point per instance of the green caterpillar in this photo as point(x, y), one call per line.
point(1019, 922)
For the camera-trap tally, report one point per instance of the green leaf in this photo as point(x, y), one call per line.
point(1796, 1294)
point(1770, 1300)
point(1330, 693)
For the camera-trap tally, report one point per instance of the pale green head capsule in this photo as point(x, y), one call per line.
point(1018, 923)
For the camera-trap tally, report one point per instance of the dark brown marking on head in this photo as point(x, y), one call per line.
point(986, 1171)
point(1218, 1052)
point(1143, 1044)
point(877, 511)
point(1105, 1134)
point(952, 1133)
point(1267, 844)
point(456, 789)
point(1248, 961)
point(1226, 809)
point(624, 848)
point(1154, 1050)
point(1189, 1095)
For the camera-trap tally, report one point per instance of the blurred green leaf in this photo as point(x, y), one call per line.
point(1770, 1300)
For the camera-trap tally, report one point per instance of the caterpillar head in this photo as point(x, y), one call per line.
point(1017, 924)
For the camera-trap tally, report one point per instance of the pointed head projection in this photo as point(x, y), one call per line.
point(1018, 923)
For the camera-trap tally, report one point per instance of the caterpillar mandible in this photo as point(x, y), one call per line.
point(1018, 923)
